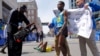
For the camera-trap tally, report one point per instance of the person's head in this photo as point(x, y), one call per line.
point(23, 8)
point(80, 3)
point(60, 5)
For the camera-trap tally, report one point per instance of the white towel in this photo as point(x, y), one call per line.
point(80, 22)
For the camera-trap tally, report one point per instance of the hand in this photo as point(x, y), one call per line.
point(58, 33)
point(48, 24)
point(59, 45)
point(86, 6)
point(19, 27)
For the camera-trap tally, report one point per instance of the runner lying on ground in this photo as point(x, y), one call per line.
point(42, 47)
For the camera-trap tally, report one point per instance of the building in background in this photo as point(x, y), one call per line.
point(39, 24)
point(32, 13)
point(32, 9)
point(5, 7)
point(72, 4)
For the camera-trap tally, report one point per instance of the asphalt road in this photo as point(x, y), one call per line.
point(28, 48)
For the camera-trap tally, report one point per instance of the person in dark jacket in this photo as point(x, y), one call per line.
point(16, 17)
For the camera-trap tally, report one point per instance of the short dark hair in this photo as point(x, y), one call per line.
point(62, 2)
point(23, 7)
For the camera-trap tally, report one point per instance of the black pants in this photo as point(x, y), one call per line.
point(14, 48)
point(41, 36)
point(37, 35)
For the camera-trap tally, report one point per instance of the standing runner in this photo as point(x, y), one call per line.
point(61, 32)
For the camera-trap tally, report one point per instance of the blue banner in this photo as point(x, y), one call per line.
point(2, 38)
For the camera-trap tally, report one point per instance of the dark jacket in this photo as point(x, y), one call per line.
point(17, 17)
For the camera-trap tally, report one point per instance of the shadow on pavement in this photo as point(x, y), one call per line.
point(27, 53)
